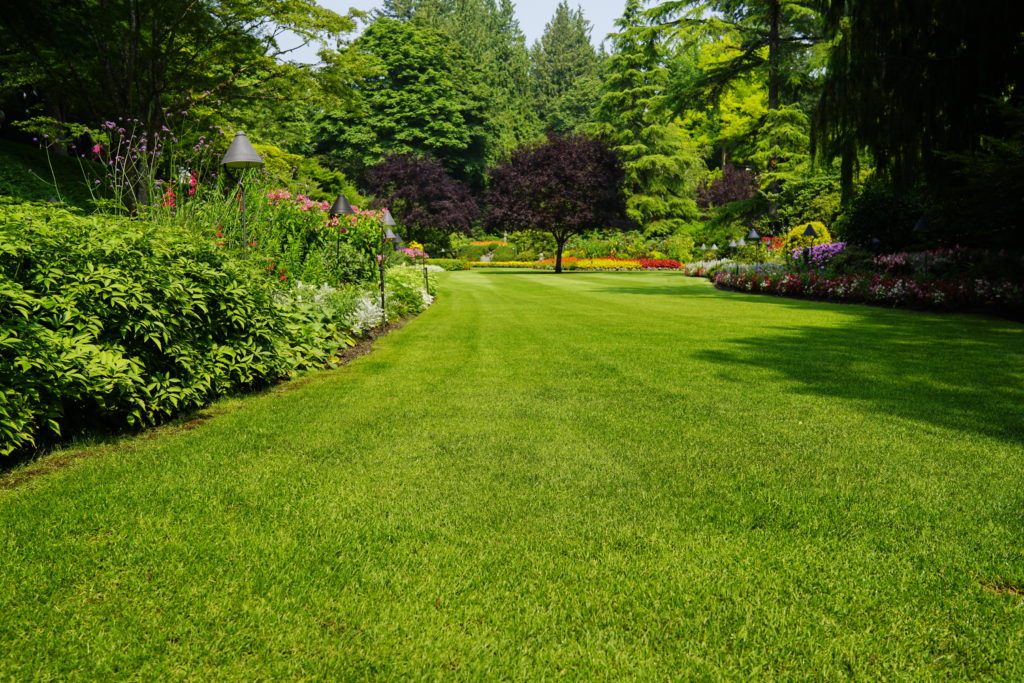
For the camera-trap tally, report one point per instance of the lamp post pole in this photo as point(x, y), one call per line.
point(240, 156)
point(341, 207)
point(383, 310)
point(386, 235)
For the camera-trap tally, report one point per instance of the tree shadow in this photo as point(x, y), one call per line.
point(955, 371)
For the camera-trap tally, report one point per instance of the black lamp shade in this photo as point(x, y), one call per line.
point(753, 235)
point(241, 154)
point(389, 234)
point(732, 243)
point(388, 218)
point(704, 247)
point(341, 207)
point(714, 247)
point(741, 242)
point(810, 232)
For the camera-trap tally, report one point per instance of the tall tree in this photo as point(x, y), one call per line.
point(915, 82)
point(91, 61)
point(773, 37)
point(662, 164)
point(564, 71)
point(489, 35)
point(425, 99)
point(423, 198)
point(565, 186)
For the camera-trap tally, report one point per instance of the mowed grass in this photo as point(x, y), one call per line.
point(581, 476)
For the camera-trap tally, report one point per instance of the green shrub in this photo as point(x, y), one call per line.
point(108, 322)
point(473, 252)
point(448, 263)
point(507, 253)
point(526, 256)
point(796, 239)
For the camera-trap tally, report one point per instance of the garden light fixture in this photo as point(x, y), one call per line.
point(811, 232)
point(732, 243)
point(386, 235)
point(241, 156)
point(741, 242)
point(714, 247)
point(753, 235)
point(341, 207)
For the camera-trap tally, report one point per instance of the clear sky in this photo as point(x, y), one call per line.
point(533, 15)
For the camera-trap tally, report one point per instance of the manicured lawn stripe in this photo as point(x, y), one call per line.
point(592, 475)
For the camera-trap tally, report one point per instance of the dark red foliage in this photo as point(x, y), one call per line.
point(566, 185)
point(421, 195)
point(734, 185)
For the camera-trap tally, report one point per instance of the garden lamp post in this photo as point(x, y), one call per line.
point(754, 238)
point(386, 235)
point(240, 156)
point(811, 232)
point(341, 207)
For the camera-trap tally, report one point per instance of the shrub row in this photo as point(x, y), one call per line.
point(112, 323)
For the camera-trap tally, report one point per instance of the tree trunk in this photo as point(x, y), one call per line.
point(774, 44)
point(560, 241)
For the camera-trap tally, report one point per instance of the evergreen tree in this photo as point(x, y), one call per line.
point(425, 99)
point(661, 163)
point(489, 35)
point(564, 71)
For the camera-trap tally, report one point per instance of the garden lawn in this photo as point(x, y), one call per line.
point(588, 476)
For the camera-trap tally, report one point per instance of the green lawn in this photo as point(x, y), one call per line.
point(589, 476)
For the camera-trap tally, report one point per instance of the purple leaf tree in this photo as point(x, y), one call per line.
point(564, 186)
point(422, 197)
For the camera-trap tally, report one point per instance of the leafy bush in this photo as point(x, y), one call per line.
point(448, 263)
point(473, 252)
point(111, 322)
point(505, 253)
point(881, 220)
point(795, 238)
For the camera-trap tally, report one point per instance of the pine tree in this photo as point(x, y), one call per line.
point(661, 163)
point(564, 71)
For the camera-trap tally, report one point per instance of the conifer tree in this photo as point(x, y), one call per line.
point(564, 71)
point(662, 164)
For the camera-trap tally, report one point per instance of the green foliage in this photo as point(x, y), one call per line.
point(100, 60)
point(661, 162)
point(507, 253)
point(124, 323)
point(563, 71)
point(796, 239)
point(37, 175)
point(420, 100)
point(473, 252)
point(448, 263)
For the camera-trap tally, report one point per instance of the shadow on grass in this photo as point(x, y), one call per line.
point(955, 371)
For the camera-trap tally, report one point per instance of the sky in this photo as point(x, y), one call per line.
point(533, 15)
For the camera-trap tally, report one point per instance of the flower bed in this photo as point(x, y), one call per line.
point(874, 288)
point(608, 263)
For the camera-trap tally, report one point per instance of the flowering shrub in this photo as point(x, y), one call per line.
point(819, 255)
point(704, 268)
point(499, 264)
point(795, 238)
point(879, 289)
point(413, 253)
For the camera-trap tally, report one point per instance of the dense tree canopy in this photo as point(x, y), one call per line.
point(91, 61)
point(661, 162)
point(427, 201)
point(564, 70)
